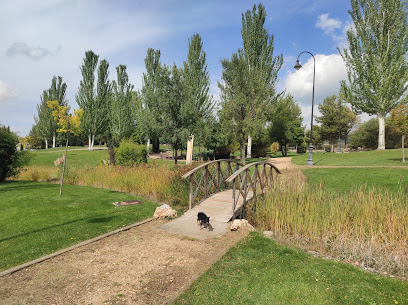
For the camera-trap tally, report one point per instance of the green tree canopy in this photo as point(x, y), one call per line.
point(93, 97)
point(249, 79)
point(376, 60)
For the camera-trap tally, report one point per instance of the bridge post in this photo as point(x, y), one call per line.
point(190, 201)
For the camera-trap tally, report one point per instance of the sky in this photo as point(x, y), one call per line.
point(40, 39)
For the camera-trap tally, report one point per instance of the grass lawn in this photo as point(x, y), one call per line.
point(388, 157)
point(260, 271)
point(35, 220)
point(46, 157)
point(342, 179)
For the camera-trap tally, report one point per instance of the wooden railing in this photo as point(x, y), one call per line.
point(209, 178)
point(248, 186)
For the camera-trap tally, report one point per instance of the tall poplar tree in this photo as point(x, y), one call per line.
point(93, 98)
point(376, 61)
point(121, 119)
point(196, 86)
point(249, 79)
point(45, 123)
point(152, 95)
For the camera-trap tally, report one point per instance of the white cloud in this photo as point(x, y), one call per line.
point(5, 92)
point(328, 25)
point(330, 69)
point(21, 48)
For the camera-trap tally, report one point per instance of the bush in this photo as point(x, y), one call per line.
point(274, 148)
point(222, 152)
point(130, 154)
point(11, 160)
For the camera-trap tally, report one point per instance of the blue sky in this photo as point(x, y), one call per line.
point(40, 39)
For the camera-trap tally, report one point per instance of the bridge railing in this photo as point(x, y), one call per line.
point(251, 180)
point(209, 178)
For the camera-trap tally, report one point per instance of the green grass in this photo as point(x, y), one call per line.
point(260, 271)
point(75, 158)
point(35, 220)
point(388, 157)
point(343, 179)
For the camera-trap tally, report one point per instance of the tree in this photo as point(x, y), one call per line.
point(68, 123)
point(249, 79)
point(376, 61)
point(94, 100)
point(196, 86)
point(121, 118)
point(11, 160)
point(152, 95)
point(399, 120)
point(175, 110)
point(46, 125)
point(286, 123)
point(332, 110)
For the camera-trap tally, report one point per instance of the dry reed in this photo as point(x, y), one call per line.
point(365, 225)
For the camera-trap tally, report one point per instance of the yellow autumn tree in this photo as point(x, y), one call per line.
point(68, 123)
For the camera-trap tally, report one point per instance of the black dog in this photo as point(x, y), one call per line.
point(203, 220)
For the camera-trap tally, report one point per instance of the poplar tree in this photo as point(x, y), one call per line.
point(249, 79)
point(152, 95)
point(121, 119)
point(45, 123)
point(94, 100)
point(196, 86)
point(376, 60)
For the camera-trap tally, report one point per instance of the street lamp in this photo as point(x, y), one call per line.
point(339, 141)
point(297, 67)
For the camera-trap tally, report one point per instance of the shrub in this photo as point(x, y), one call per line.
point(11, 160)
point(130, 154)
point(274, 148)
point(222, 152)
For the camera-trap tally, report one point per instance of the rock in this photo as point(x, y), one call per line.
point(268, 233)
point(240, 223)
point(164, 211)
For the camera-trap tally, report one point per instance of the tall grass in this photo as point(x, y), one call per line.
point(153, 181)
point(362, 224)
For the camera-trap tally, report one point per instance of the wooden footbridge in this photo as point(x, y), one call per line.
point(220, 189)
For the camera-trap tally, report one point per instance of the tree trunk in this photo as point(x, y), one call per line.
point(332, 148)
point(249, 147)
point(65, 161)
point(381, 131)
point(53, 140)
point(403, 148)
point(156, 145)
point(46, 143)
point(92, 142)
point(89, 142)
point(242, 152)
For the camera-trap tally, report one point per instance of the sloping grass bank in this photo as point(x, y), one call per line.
point(365, 225)
point(259, 271)
point(35, 221)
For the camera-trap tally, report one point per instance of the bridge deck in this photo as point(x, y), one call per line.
point(218, 207)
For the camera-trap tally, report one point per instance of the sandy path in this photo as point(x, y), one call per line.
point(141, 266)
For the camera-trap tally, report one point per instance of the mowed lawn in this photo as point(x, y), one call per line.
point(35, 220)
point(388, 157)
point(343, 179)
point(260, 271)
point(46, 157)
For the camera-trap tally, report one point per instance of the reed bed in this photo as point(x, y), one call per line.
point(361, 225)
point(152, 181)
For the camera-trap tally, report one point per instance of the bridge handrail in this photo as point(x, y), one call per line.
point(242, 181)
point(186, 175)
point(209, 180)
point(238, 172)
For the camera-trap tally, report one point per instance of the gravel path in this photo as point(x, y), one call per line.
point(144, 265)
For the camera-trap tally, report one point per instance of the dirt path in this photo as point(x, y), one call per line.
point(144, 265)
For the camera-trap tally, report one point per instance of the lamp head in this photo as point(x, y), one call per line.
point(298, 65)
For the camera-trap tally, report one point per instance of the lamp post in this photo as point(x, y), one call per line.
point(297, 67)
point(339, 141)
